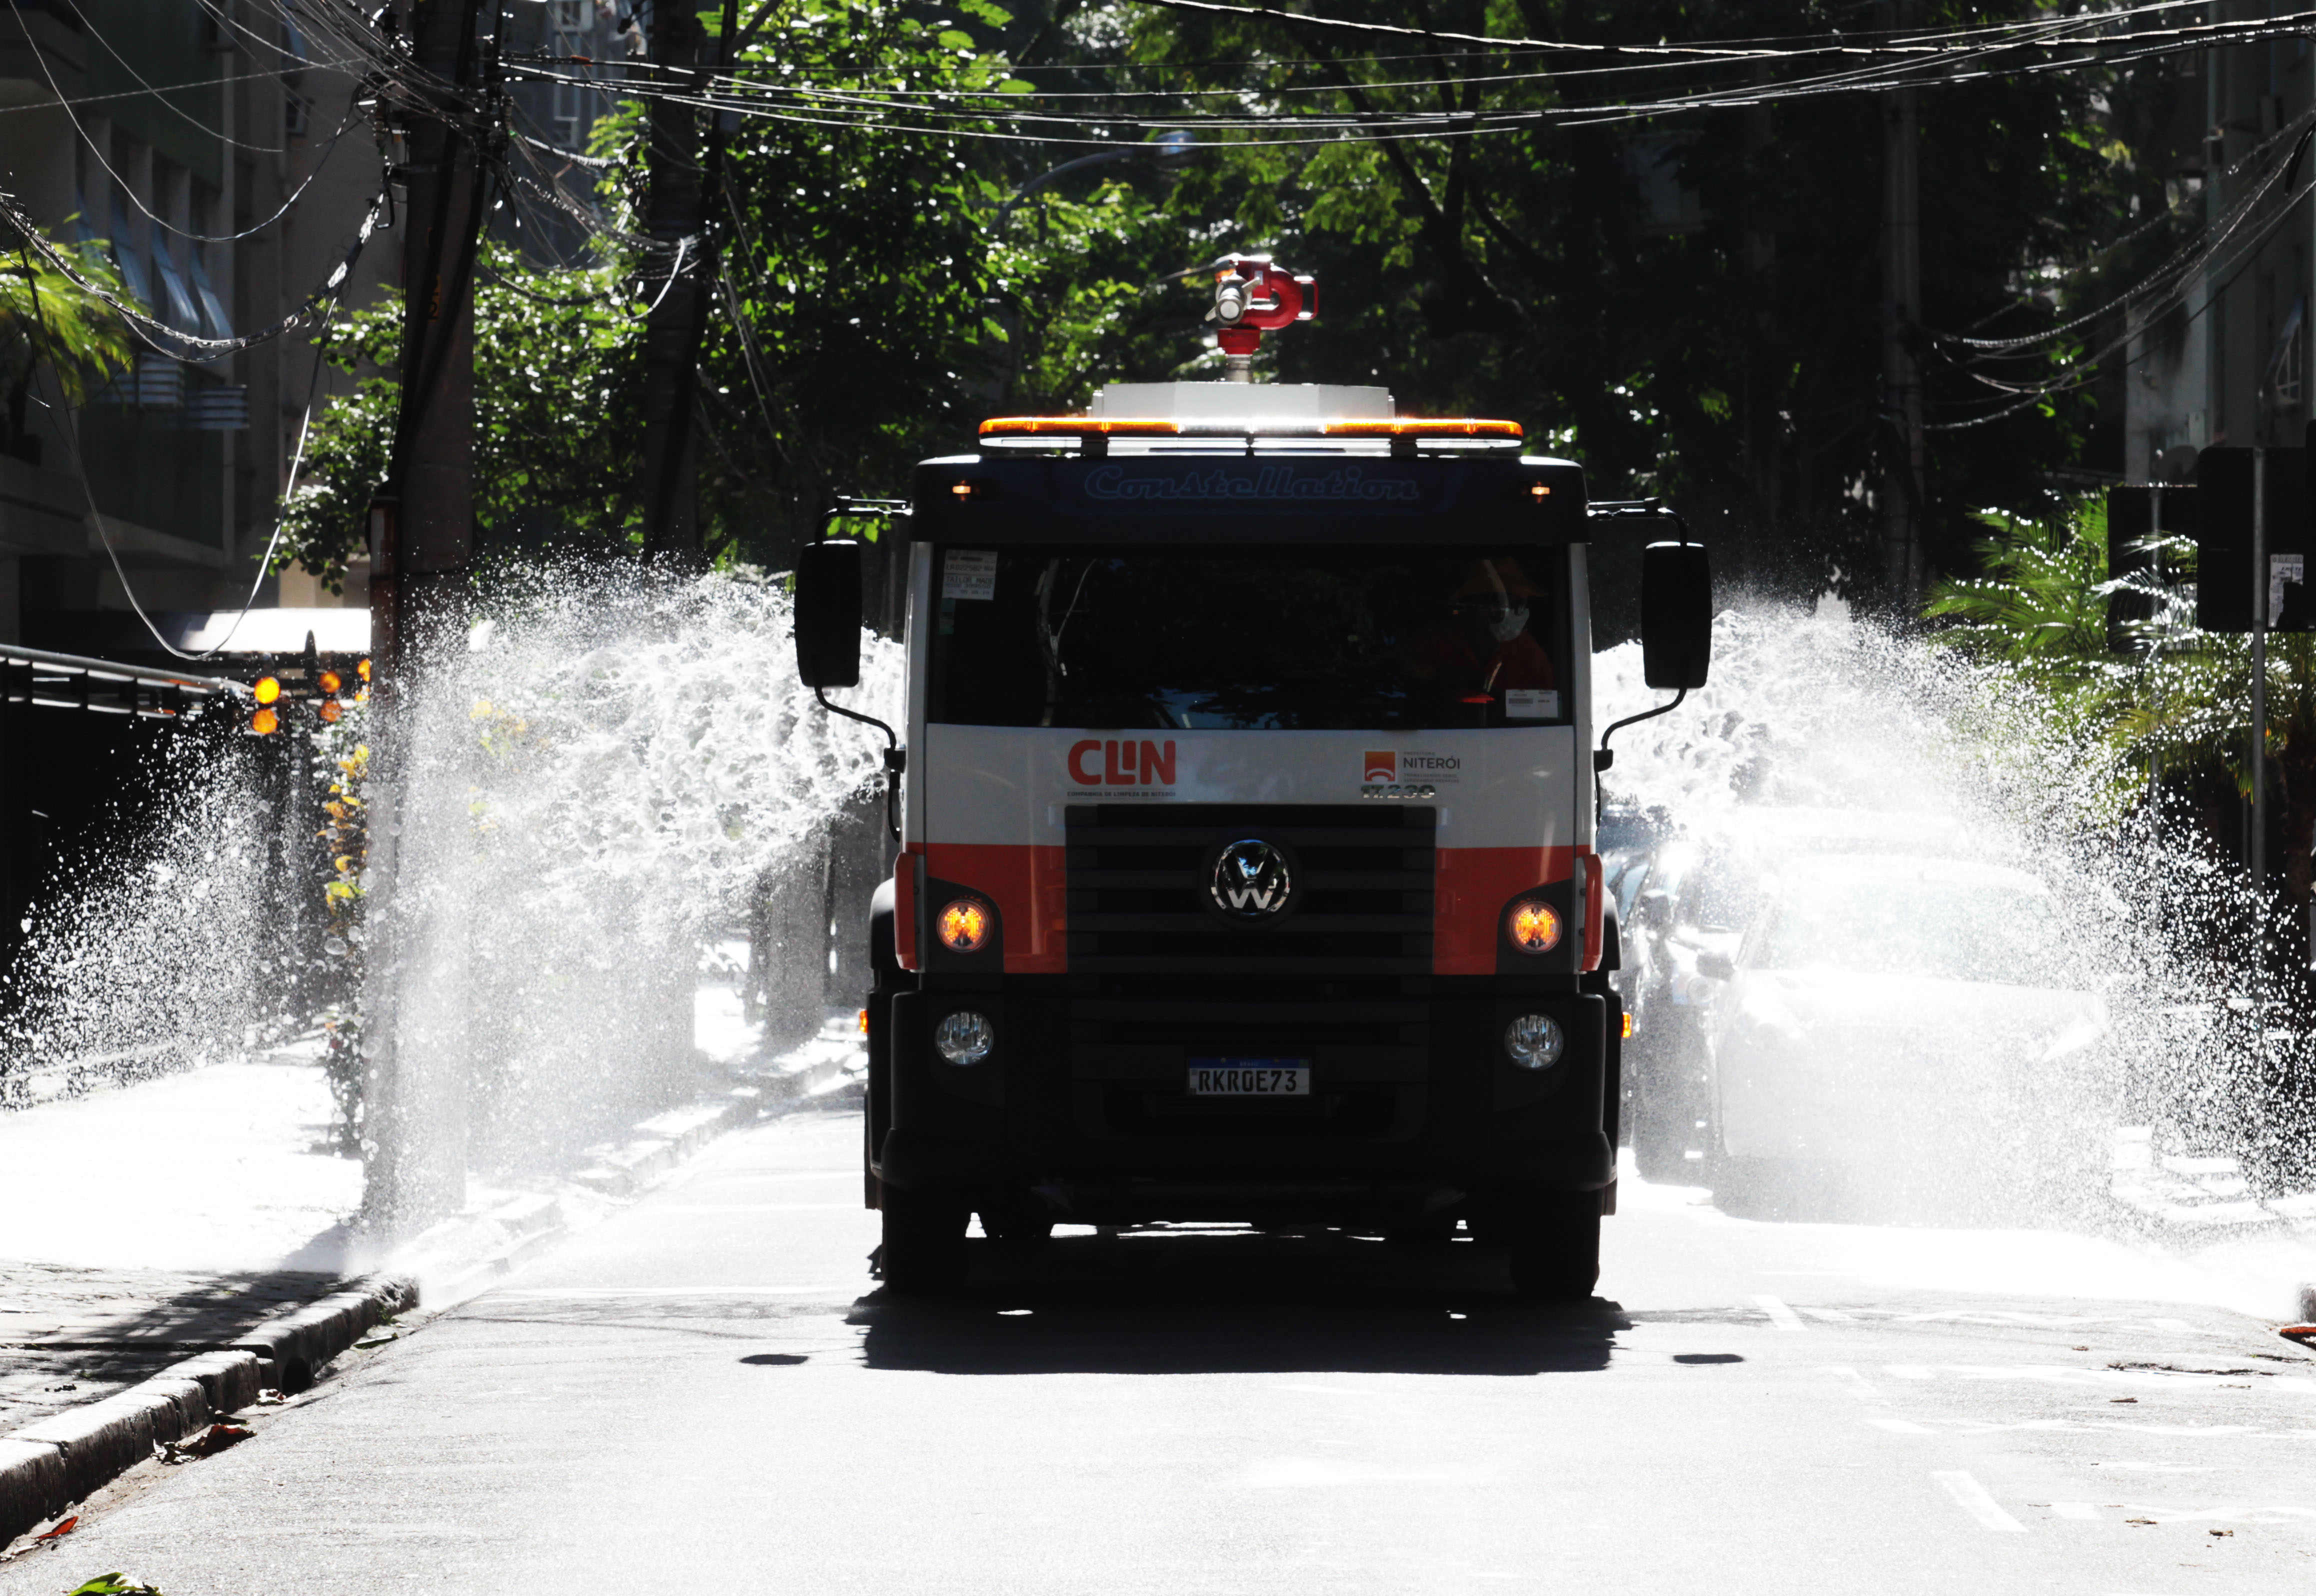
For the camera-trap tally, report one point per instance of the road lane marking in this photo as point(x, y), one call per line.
point(2074, 1510)
point(1908, 1371)
point(1973, 1499)
point(1902, 1427)
point(1830, 1315)
point(1780, 1316)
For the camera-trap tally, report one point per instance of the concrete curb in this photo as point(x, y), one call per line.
point(47, 1466)
point(667, 1139)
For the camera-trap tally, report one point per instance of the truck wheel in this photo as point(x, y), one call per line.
point(923, 1252)
point(1016, 1218)
point(1555, 1245)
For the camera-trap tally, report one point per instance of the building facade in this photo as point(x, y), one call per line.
point(175, 134)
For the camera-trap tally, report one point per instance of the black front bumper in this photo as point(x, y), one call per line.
point(1086, 1093)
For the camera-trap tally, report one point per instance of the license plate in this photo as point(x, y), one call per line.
point(1250, 1077)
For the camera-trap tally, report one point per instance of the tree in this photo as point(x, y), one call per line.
point(47, 317)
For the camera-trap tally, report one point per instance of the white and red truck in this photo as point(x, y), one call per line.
point(1245, 860)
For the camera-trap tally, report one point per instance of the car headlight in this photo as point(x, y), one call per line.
point(965, 926)
point(965, 1038)
point(1534, 926)
point(1535, 1041)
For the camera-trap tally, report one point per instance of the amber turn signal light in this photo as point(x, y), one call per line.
point(1534, 927)
point(965, 926)
point(864, 1023)
point(1627, 1034)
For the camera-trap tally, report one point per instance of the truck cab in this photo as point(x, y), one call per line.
point(1244, 864)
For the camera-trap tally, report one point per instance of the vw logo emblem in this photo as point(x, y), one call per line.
point(1251, 880)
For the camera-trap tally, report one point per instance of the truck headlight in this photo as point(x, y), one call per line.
point(1534, 926)
point(965, 926)
point(1534, 1041)
point(967, 1037)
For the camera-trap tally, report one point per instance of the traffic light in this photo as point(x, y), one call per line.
point(324, 688)
point(2225, 582)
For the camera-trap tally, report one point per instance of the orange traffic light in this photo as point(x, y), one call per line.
point(265, 723)
point(267, 690)
point(329, 711)
point(363, 670)
point(330, 682)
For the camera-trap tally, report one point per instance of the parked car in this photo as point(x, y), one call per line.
point(1911, 1016)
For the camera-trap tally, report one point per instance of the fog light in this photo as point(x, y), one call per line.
point(1534, 1041)
point(965, 926)
point(967, 1037)
point(1533, 926)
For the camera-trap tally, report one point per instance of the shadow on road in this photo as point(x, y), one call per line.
point(1163, 1304)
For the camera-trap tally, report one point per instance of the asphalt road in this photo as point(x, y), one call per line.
point(706, 1392)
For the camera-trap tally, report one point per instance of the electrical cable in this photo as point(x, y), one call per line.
point(122, 185)
point(71, 430)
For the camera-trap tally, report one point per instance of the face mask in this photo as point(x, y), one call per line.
point(1510, 625)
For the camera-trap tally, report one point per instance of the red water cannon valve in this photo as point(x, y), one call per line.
point(1253, 295)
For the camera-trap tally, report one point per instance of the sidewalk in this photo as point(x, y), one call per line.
point(208, 1216)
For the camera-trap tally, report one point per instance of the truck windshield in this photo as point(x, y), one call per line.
point(1196, 638)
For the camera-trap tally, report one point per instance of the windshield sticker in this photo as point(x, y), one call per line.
point(969, 574)
point(1531, 703)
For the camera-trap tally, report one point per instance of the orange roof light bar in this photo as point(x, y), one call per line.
point(1464, 427)
point(1079, 426)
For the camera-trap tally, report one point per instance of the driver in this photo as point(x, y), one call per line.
point(1483, 649)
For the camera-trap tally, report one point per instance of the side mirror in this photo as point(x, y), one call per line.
point(828, 613)
point(1676, 615)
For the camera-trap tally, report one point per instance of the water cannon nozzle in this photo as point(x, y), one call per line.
point(1253, 295)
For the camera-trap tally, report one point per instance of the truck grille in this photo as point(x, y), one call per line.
point(1138, 897)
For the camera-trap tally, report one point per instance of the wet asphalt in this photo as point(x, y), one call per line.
point(707, 1393)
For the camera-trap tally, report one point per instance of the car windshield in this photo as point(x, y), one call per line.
point(1961, 930)
point(1193, 639)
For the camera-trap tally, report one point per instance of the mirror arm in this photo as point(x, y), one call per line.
point(1604, 756)
point(1642, 509)
point(897, 758)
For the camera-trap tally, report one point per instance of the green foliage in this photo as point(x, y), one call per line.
point(2043, 594)
point(558, 383)
point(882, 288)
point(45, 316)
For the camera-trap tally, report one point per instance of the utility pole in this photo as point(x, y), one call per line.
point(1902, 308)
point(676, 219)
point(2256, 843)
point(422, 532)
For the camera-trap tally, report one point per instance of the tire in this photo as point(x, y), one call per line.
point(1555, 1245)
point(923, 1254)
point(1017, 1220)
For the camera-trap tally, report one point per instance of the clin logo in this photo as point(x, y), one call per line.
point(1382, 765)
point(1124, 763)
